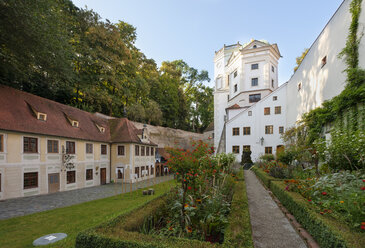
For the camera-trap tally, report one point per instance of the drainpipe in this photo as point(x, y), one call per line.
point(110, 162)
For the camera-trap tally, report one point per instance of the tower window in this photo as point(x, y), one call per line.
point(272, 83)
point(278, 110)
point(324, 61)
point(267, 111)
point(254, 98)
point(272, 68)
point(249, 113)
point(299, 86)
point(235, 88)
point(274, 98)
point(235, 131)
point(254, 66)
point(254, 81)
point(235, 74)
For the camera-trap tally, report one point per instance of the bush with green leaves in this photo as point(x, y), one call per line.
point(267, 157)
point(246, 157)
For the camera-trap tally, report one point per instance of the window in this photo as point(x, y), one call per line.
point(281, 129)
point(272, 68)
point(246, 148)
point(249, 113)
point(41, 116)
point(52, 146)
point(254, 66)
point(30, 180)
point(103, 149)
point(120, 173)
point(272, 83)
point(152, 170)
point(235, 74)
point(152, 151)
point(142, 171)
point(75, 123)
point(136, 150)
point(278, 110)
point(1, 142)
point(89, 148)
point(254, 98)
point(267, 111)
point(254, 46)
point(136, 171)
point(235, 88)
point(70, 147)
point(147, 151)
point(254, 81)
point(71, 177)
point(30, 145)
point(121, 151)
point(299, 86)
point(147, 170)
point(274, 98)
point(246, 130)
point(219, 82)
point(235, 131)
point(268, 150)
point(228, 80)
point(269, 129)
point(236, 149)
point(89, 174)
point(324, 61)
point(142, 151)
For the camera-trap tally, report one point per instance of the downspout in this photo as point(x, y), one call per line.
point(110, 162)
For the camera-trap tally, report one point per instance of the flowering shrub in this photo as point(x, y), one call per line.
point(341, 195)
point(275, 169)
point(199, 206)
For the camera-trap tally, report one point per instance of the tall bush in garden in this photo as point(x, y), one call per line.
point(201, 178)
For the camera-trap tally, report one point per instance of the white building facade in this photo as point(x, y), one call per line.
point(251, 111)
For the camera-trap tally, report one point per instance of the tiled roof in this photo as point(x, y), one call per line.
point(163, 153)
point(17, 114)
point(235, 106)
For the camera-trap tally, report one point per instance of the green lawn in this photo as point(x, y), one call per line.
point(21, 231)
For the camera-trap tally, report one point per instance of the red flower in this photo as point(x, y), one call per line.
point(362, 188)
point(324, 193)
point(309, 200)
point(189, 188)
point(363, 180)
point(177, 173)
point(321, 213)
point(363, 227)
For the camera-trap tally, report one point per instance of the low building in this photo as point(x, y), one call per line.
point(47, 147)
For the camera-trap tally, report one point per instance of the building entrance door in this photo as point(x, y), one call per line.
point(103, 176)
point(53, 182)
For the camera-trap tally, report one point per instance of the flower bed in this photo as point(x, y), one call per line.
point(327, 231)
point(264, 176)
point(126, 230)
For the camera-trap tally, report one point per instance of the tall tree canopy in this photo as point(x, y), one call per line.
point(56, 50)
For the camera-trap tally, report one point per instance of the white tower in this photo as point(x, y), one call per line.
point(243, 75)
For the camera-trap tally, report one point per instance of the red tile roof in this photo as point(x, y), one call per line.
point(235, 106)
point(16, 114)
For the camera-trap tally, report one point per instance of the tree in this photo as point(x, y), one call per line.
point(300, 59)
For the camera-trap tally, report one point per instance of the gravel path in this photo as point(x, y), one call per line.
point(33, 204)
point(270, 228)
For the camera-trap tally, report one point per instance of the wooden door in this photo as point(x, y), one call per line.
point(53, 182)
point(103, 176)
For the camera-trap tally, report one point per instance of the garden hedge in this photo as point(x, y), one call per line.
point(327, 231)
point(264, 177)
point(123, 231)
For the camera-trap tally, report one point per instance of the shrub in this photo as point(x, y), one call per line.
point(267, 157)
point(286, 156)
point(246, 157)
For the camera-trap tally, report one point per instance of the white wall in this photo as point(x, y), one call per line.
point(321, 83)
point(257, 122)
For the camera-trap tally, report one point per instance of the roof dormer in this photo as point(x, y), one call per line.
point(100, 128)
point(39, 115)
point(72, 121)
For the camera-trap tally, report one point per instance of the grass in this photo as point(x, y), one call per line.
point(22, 231)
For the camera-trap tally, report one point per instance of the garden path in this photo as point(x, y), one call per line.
point(39, 203)
point(270, 227)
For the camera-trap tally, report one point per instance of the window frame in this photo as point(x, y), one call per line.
point(74, 176)
point(136, 150)
point(121, 150)
point(246, 147)
point(267, 149)
point(281, 129)
point(2, 142)
point(275, 98)
point(147, 151)
point(255, 66)
point(254, 82)
point(35, 178)
point(278, 110)
point(254, 96)
point(235, 74)
point(235, 131)
point(136, 171)
point(269, 129)
point(29, 144)
point(246, 131)
point(272, 68)
point(87, 148)
point(87, 175)
point(52, 142)
point(120, 175)
point(267, 110)
point(68, 149)
point(143, 151)
point(236, 149)
point(235, 88)
point(249, 113)
point(152, 151)
point(102, 150)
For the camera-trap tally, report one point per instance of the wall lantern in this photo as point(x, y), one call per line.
point(262, 140)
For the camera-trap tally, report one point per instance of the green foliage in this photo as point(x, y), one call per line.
point(264, 176)
point(55, 50)
point(300, 59)
point(123, 231)
point(246, 157)
point(327, 231)
point(286, 156)
point(267, 157)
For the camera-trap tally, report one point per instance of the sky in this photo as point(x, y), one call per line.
point(192, 30)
